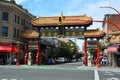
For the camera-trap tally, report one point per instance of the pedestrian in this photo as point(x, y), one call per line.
point(1, 61)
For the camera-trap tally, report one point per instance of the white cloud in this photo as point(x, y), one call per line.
point(93, 10)
point(38, 0)
point(20, 1)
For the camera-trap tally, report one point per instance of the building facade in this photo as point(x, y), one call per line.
point(14, 19)
point(112, 38)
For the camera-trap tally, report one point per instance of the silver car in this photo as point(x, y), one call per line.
point(61, 60)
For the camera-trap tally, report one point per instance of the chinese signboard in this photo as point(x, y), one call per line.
point(71, 33)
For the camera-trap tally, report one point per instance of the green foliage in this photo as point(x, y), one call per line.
point(92, 51)
point(66, 50)
point(102, 47)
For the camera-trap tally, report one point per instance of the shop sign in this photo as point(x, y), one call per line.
point(112, 49)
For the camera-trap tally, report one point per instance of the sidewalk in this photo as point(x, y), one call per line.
point(102, 68)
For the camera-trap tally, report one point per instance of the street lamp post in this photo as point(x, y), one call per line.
point(112, 8)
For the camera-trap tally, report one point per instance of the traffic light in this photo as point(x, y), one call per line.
point(60, 20)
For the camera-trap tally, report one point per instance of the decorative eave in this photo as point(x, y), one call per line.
point(115, 33)
point(30, 34)
point(111, 44)
point(82, 20)
point(94, 33)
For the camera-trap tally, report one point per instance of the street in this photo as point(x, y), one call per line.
point(67, 71)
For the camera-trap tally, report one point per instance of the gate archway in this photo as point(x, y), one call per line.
point(62, 26)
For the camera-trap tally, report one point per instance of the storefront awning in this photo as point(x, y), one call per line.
point(9, 48)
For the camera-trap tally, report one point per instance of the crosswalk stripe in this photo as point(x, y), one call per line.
point(96, 75)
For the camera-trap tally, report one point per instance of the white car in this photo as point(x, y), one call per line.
point(60, 60)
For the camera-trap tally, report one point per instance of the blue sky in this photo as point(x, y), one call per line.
point(71, 7)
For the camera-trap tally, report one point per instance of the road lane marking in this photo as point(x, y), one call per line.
point(11, 79)
point(96, 75)
point(113, 78)
point(4, 79)
point(108, 73)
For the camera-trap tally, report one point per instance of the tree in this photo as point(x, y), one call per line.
point(102, 47)
point(93, 52)
point(64, 50)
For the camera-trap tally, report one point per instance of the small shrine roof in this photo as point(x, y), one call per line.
point(82, 20)
point(30, 34)
point(94, 33)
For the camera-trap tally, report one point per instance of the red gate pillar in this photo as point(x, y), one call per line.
point(26, 55)
point(98, 56)
point(38, 54)
point(85, 52)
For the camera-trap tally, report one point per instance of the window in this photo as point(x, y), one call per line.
point(5, 16)
point(15, 18)
point(18, 33)
point(5, 31)
point(22, 22)
point(14, 32)
point(27, 24)
point(18, 21)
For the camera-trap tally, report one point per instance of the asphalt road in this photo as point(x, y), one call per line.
point(70, 71)
point(45, 74)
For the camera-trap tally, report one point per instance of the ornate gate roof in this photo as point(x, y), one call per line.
point(94, 33)
point(82, 20)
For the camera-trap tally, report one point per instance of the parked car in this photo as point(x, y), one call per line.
point(104, 61)
point(50, 61)
point(74, 60)
point(61, 60)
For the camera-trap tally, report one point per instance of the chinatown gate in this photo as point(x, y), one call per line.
point(65, 27)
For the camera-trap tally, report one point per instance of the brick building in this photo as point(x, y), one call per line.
point(112, 38)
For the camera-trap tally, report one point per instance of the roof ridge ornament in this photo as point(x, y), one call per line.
point(63, 17)
point(61, 13)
